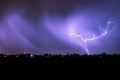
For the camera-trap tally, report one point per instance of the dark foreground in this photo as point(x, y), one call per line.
point(73, 60)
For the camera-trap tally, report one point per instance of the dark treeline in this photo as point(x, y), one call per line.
point(83, 60)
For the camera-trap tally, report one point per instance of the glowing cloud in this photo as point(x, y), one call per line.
point(80, 27)
point(91, 37)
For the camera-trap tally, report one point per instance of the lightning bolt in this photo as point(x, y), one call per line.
point(86, 39)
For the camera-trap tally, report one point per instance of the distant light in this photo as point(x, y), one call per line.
point(101, 56)
point(31, 55)
point(17, 56)
point(5, 56)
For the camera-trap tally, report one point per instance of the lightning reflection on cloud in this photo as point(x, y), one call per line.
point(87, 38)
point(51, 26)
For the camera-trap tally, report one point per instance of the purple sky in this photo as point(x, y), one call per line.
point(43, 26)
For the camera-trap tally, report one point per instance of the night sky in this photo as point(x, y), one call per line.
point(43, 26)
